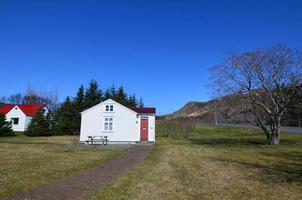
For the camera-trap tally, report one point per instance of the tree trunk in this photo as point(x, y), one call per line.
point(274, 136)
point(273, 140)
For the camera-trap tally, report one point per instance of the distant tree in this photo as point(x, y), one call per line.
point(112, 92)
point(5, 127)
point(132, 101)
point(52, 123)
point(15, 98)
point(33, 99)
point(93, 95)
point(65, 119)
point(3, 100)
point(141, 103)
point(40, 125)
point(294, 115)
point(79, 100)
point(107, 95)
point(79, 106)
point(50, 98)
point(121, 96)
point(264, 82)
point(31, 96)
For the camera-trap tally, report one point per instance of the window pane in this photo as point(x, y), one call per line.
point(107, 108)
point(106, 126)
point(110, 126)
point(15, 121)
point(111, 108)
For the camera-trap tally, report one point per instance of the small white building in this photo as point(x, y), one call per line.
point(120, 123)
point(20, 114)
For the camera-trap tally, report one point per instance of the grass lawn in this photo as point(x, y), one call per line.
point(214, 163)
point(27, 162)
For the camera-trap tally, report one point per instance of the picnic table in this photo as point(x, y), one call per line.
point(98, 139)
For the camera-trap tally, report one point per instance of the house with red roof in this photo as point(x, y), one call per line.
point(118, 123)
point(20, 114)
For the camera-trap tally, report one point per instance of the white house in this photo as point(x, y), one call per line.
point(120, 123)
point(21, 114)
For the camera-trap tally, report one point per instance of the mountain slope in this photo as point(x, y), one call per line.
point(191, 109)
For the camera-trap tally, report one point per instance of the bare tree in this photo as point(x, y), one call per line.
point(15, 98)
point(12, 99)
point(31, 96)
point(263, 82)
point(3, 99)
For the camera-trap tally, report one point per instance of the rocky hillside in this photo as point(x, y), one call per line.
point(226, 111)
point(191, 109)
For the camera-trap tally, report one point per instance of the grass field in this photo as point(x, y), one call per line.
point(214, 163)
point(27, 162)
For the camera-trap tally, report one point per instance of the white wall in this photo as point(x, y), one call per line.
point(152, 128)
point(17, 113)
point(126, 123)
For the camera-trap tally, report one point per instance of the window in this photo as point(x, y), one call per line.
point(108, 124)
point(15, 121)
point(109, 108)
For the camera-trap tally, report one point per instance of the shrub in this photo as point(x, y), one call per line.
point(5, 127)
point(40, 125)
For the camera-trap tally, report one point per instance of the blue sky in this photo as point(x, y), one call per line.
point(160, 50)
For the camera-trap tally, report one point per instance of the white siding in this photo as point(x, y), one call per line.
point(152, 128)
point(17, 113)
point(126, 123)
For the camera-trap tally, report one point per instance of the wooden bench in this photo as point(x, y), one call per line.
point(98, 139)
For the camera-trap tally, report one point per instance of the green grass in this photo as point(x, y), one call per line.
point(28, 162)
point(214, 163)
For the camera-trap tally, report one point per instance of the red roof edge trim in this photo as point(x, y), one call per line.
point(145, 110)
point(27, 109)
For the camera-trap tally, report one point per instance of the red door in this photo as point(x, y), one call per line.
point(144, 129)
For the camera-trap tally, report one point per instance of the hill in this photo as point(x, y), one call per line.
point(227, 110)
point(191, 109)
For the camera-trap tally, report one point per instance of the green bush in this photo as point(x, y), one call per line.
point(5, 127)
point(40, 125)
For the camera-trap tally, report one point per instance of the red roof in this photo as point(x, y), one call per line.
point(143, 110)
point(31, 109)
point(6, 108)
point(27, 109)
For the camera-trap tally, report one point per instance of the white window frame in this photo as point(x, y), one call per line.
point(109, 108)
point(14, 119)
point(108, 124)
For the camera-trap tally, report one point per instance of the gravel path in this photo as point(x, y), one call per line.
point(78, 185)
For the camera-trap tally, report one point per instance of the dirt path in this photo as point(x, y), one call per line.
point(76, 186)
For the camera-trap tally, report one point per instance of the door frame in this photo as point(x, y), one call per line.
point(147, 136)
